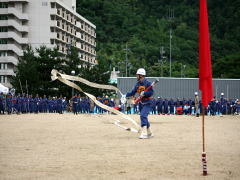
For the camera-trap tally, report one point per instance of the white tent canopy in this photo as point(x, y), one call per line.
point(3, 89)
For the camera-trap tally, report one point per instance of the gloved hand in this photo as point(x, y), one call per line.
point(142, 93)
point(123, 99)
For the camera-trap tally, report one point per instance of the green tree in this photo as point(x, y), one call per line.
point(47, 60)
point(144, 25)
point(227, 67)
point(26, 73)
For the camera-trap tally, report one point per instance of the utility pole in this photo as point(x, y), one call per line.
point(170, 18)
point(184, 67)
point(181, 70)
point(126, 59)
point(161, 61)
point(170, 53)
point(129, 69)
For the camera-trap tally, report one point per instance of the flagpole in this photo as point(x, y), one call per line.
point(205, 71)
point(204, 156)
point(203, 128)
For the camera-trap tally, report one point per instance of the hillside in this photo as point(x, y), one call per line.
point(145, 27)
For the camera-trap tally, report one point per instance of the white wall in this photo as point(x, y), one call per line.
point(70, 3)
point(39, 22)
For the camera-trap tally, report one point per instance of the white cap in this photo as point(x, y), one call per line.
point(141, 71)
point(222, 94)
point(196, 93)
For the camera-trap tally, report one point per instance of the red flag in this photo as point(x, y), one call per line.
point(205, 67)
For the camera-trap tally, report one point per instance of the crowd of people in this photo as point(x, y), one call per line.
point(23, 103)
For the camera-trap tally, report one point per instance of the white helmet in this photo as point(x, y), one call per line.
point(196, 93)
point(141, 71)
point(222, 94)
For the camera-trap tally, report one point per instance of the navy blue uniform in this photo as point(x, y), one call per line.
point(146, 101)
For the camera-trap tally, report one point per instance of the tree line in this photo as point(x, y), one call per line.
point(144, 25)
point(136, 33)
point(33, 72)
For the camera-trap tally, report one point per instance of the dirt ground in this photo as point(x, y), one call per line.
point(53, 146)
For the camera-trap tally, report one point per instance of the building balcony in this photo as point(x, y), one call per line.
point(14, 24)
point(9, 59)
point(13, 47)
point(78, 45)
point(14, 36)
point(4, 11)
point(7, 72)
point(24, 1)
point(53, 23)
point(53, 11)
point(53, 35)
point(18, 14)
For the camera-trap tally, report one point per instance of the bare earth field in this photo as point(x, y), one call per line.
point(53, 146)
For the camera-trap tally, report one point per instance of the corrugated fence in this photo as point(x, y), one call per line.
point(183, 87)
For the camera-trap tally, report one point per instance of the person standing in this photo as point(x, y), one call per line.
point(146, 102)
point(74, 104)
point(196, 102)
point(9, 103)
point(1, 103)
point(159, 104)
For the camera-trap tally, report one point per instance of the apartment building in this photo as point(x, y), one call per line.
point(53, 23)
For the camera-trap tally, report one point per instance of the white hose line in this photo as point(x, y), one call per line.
point(61, 77)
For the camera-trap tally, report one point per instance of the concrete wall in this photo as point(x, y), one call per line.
point(70, 3)
point(39, 22)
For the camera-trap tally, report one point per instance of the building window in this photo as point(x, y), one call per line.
point(2, 79)
point(3, 53)
point(52, 18)
point(58, 23)
point(3, 5)
point(58, 35)
point(4, 17)
point(52, 5)
point(52, 29)
point(52, 41)
point(3, 66)
point(3, 41)
point(44, 3)
point(3, 29)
